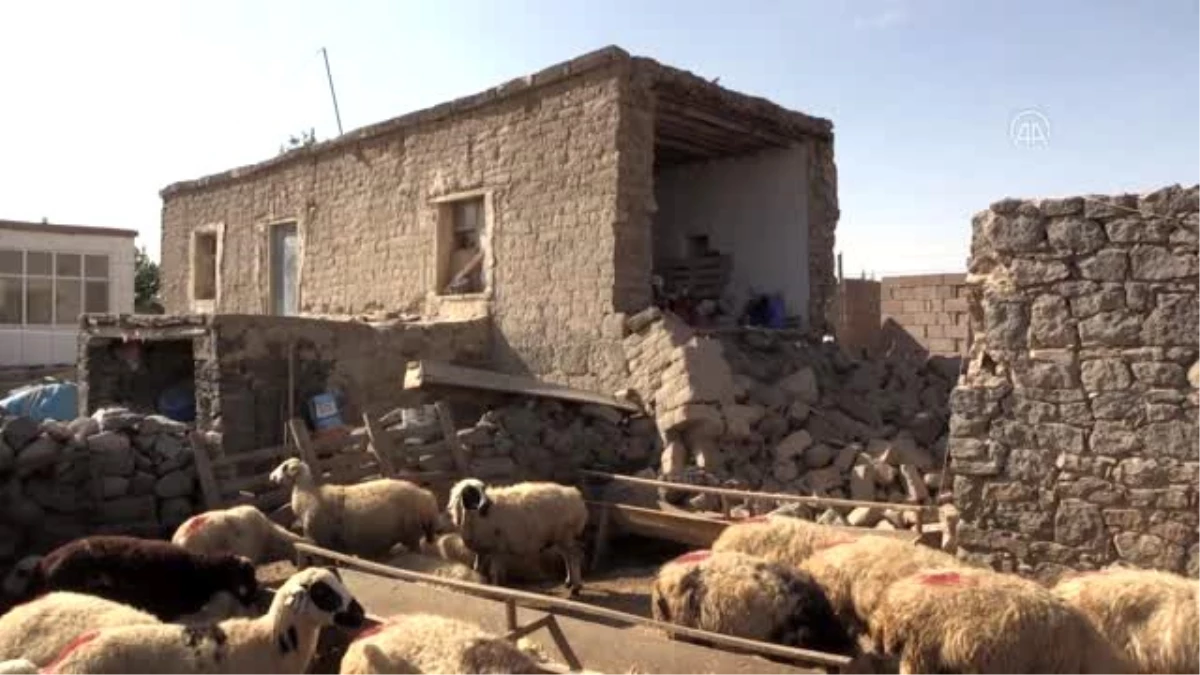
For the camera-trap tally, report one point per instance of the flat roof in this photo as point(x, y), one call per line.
point(781, 120)
point(54, 228)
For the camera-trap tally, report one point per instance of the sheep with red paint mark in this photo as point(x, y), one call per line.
point(239, 530)
point(963, 620)
point(1152, 616)
point(745, 596)
point(428, 643)
point(855, 574)
point(38, 630)
point(781, 539)
point(156, 576)
point(283, 640)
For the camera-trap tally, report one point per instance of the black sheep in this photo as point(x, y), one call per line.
point(156, 576)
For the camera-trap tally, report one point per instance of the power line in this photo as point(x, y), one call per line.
point(332, 93)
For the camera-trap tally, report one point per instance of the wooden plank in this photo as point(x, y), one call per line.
point(450, 437)
point(303, 441)
point(380, 446)
point(427, 373)
point(749, 494)
point(204, 472)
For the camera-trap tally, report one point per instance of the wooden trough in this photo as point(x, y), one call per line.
point(583, 634)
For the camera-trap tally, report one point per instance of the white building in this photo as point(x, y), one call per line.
point(49, 275)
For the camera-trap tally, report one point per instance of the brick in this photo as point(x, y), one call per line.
point(955, 331)
point(942, 345)
point(925, 293)
point(891, 307)
point(935, 331)
point(914, 306)
point(955, 305)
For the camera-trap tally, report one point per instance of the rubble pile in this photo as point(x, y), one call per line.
point(117, 472)
point(545, 439)
point(776, 412)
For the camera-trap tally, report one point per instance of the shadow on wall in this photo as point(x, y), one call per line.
point(894, 342)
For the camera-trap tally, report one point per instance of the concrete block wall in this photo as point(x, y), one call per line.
point(931, 309)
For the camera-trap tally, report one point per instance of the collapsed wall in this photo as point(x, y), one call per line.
point(1074, 429)
point(778, 412)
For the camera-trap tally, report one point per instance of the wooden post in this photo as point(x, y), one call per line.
point(451, 435)
point(380, 445)
point(204, 472)
point(304, 444)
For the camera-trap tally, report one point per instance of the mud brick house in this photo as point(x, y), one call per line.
point(548, 203)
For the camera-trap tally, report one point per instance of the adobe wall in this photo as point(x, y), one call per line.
point(1074, 431)
point(366, 215)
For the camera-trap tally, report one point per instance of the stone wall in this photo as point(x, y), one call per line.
point(245, 389)
point(856, 311)
point(112, 473)
point(1074, 430)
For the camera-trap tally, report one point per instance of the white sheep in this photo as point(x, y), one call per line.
point(432, 565)
point(18, 667)
point(522, 521)
point(368, 518)
point(781, 539)
point(450, 547)
point(963, 620)
point(240, 530)
point(282, 641)
point(428, 643)
point(38, 630)
point(1149, 615)
point(744, 596)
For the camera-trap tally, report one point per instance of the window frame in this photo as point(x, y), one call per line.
point(271, 229)
point(444, 229)
point(55, 281)
point(217, 231)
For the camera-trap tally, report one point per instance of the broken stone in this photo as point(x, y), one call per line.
point(846, 457)
point(154, 424)
point(19, 432)
point(59, 431)
point(885, 525)
point(771, 398)
point(818, 456)
point(801, 385)
point(740, 419)
point(823, 481)
point(601, 412)
point(831, 517)
point(37, 455)
point(798, 412)
point(116, 419)
point(793, 446)
point(918, 491)
point(674, 457)
point(864, 516)
point(175, 484)
point(112, 487)
point(772, 426)
point(142, 483)
point(83, 427)
point(785, 471)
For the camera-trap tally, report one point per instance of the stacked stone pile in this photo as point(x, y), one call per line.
point(777, 412)
point(544, 439)
point(114, 472)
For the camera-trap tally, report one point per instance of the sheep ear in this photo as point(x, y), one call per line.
point(284, 626)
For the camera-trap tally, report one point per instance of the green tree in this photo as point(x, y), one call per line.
point(145, 283)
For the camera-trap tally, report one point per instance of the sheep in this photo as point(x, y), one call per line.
point(282, 641)
point(432, 565)
point(428, 643)
point(38, 630)
point(779, 538)
point(156, 576)
point(523, 521)
point(965, 620)
point(450, 547)
point(744, 596)
point(18, 667)
point(855, 574)
point(240, 530)
point(1150, 615)
point(368, 518)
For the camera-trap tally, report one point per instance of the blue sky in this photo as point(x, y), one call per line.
point(103, 104)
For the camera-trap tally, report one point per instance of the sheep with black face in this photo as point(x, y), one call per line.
point(521, 521)
point(281, 641)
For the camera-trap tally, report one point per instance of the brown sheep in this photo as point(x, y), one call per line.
point(779, 538)
point(745, 596)
point(1151, 616)
point(961, 620)
point(855, 574)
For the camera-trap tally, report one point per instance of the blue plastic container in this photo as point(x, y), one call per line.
point(178, 403)
point(52, 400)
point(323, 409)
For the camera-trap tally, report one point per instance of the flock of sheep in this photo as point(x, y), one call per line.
point(128, 605)
point(114, 604)
point(894, 604)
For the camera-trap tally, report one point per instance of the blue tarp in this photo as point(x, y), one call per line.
point(48, 400)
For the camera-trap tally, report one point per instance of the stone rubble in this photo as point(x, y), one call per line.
point(116, 472)
point(774, 411)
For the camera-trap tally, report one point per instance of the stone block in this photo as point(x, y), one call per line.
point(127, 510)
point(1118, 328)
point(1012, 234)
point(914, 483)
point(785, 470)
point(741, 418)
point(1051, 324)
point(142, 483)
point(19, 432)
point(175, 484)
point(1174, 321)
point(793, 445)
point(112, 487)
point(674, 457)
point(1159, 263)
point(864, 516)
point(116, 419)
point(801, 385)
point(43, 452)
point(1106, 265)
point(1075, 235)
point(1026, 272)
point(818, 456)
point(846, 457)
